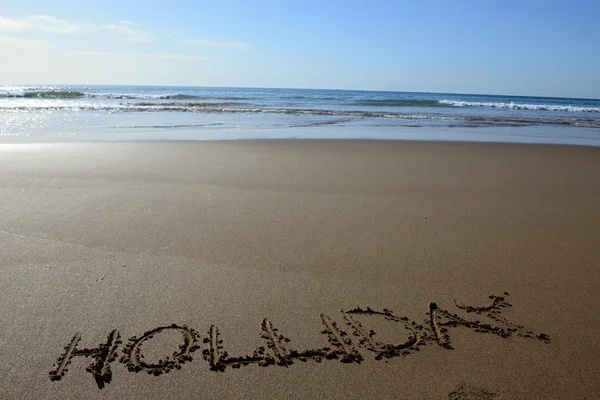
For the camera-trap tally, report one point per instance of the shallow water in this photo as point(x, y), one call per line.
point(92, 113)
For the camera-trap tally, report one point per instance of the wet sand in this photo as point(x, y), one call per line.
point(221, 270)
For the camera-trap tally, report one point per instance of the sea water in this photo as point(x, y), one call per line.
point(40, 113)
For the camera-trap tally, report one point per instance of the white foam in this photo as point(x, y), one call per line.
point(517, 106)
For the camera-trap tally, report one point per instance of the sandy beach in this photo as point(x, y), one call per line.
point(299, 269)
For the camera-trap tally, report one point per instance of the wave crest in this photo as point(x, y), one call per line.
point(45, 94)
point(517, 106)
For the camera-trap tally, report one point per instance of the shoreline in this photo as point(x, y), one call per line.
point(306, 140)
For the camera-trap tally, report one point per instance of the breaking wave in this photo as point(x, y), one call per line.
point(131, 96)
point(62, 94)
point(45, 94)
point(234, 108)
point(178, 106)
point(177, 96)
point(517, 106)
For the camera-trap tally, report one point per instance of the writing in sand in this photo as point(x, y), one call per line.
point(277, 351)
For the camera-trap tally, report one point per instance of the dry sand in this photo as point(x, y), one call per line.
point(252, 249)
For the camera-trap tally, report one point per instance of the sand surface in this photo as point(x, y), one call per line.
point(253, 249)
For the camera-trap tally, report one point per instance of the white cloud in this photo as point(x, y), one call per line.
point(126, 30)
point(221, 43)
point(38, 22)
point(51, 24)
point(9, 24)
point(155, 56)
point(21, 42)
point(121, 29)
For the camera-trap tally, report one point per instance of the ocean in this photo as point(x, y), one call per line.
point(58, 113)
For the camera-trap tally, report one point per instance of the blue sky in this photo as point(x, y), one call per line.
point(524, 47)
